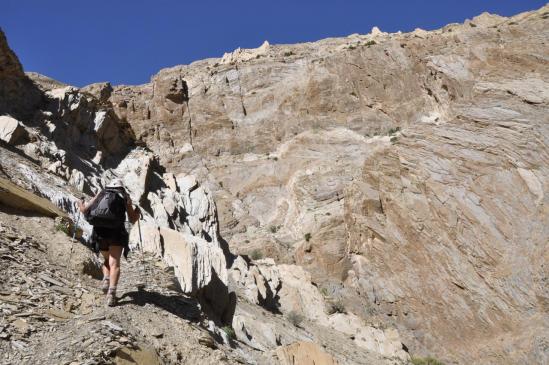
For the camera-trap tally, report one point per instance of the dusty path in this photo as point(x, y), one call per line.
point(56, 315)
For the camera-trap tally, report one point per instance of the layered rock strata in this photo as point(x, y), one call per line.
point(406, 173)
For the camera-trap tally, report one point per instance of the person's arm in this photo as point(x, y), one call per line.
point(84, 207)
point(133, 213)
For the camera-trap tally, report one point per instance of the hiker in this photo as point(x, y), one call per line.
point(106, 212)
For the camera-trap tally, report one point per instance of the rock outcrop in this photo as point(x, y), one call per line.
point(76, 145)
point(14, 196)
point(18, 95)
point(288, 289)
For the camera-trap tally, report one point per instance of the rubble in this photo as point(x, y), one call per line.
point(55, 314)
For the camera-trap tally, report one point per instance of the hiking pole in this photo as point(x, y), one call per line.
point(74, 234)
point(141, 248)
point(76, 227)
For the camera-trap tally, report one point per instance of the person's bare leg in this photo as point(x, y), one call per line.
point(105, 267)
point(106, 271)
point(114, 263)
point(115, 252)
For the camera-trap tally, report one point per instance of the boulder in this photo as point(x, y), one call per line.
point(108, 132)
point(201, 270)
point(196, 263)
point(135, 170)
point(200, 209)
point(256, 334)
point(11, 130)
point(284, 288)
point(258, 283)
point(147, 236)
point(297, 294)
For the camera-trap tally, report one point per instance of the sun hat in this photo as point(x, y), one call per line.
point(116, 184)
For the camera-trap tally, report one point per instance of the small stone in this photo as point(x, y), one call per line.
point(114, 344)
point(207, 341)
point(88, 342)
point(97, 318)
point(113, 326)
point(58, 313)
point(21, 325)
point(19, 345)
point(157, 334)
point(52, 280)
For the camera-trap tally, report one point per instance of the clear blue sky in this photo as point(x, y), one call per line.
point(127, 41)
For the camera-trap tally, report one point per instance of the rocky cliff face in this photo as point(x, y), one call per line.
point(406, 173)
point(68, 145)
point(18, 95)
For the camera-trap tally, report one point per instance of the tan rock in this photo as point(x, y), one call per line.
point(147, 236)
point(299, 295)
point(59, 314)
point(108, 132)
point(77, 179)
point(135, 171)
point(101, 90)
point(21, 326)
point(442, 221)
point(310, 148)
point(159, 212)
point(128, 355)
point(243, 55)
point(201, 270)
point(19, 198)
point(304, 353)
point(385, 342)
point(87, 303)
point(18, 95)
point(196, 263)
point(257, 334)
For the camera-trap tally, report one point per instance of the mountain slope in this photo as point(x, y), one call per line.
point(406, 173)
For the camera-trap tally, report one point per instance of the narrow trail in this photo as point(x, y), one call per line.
point(56, 315)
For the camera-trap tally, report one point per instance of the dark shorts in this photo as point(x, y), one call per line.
point(107, 237)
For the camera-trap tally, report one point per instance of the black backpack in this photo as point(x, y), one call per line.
point(109, 210)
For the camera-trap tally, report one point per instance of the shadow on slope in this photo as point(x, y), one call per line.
point(185, 308)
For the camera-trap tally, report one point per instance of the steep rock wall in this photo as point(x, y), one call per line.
point(408, 170)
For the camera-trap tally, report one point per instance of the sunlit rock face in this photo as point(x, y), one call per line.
point(404, 175)
point(408, 170)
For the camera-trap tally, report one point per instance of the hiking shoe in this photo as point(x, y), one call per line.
point(105, 286)
point(110, 300)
